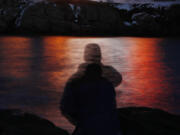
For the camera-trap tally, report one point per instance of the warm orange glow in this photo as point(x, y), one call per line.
point(146, 80)
point(41, 67)
point(56, 57)
point(15, 50)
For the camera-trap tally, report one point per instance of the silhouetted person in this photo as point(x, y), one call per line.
point(92, 54)
point(89, 103)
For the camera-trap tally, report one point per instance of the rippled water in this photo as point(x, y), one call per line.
point(34, 70)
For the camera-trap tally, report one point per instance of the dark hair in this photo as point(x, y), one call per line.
point(93, 70)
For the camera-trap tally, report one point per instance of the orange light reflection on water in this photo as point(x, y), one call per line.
point(43, 66)
point(14, 55)
point(56, 59)
point(146, 82)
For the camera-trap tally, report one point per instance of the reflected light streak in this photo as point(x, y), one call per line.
point(15, 50)
point(48, 62)
point(146, 82)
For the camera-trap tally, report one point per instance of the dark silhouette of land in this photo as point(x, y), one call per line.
point(88, 18)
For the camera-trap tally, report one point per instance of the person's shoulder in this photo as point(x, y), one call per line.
point(112, 74)
point(106, 81)
point(108, 68)
point(82, 66)
point(73, 82)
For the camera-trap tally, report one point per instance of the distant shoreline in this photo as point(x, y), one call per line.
point(81, 35)
point(90, 19)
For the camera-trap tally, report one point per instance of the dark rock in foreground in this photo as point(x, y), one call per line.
point(15, 122)
point(133, 121)
point(147, 121)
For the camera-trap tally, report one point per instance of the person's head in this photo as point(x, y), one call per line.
point(92, 53)
point(93, 71)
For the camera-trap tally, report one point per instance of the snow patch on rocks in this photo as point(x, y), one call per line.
point(76, 11)
point(24, 8)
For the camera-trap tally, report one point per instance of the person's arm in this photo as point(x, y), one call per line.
point(112, 75)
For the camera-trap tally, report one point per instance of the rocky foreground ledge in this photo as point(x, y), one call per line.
point(91, 18)
point(148, 121)
point(134, 121)
point(16, 122)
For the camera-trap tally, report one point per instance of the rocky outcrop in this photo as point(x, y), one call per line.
point(69, 18)
point(9, 12)
point(49, 17)
point(98, 19)
point(133, 121)
point(3, 26)
point(15, 122)
point(92, 18)
point(147, 121)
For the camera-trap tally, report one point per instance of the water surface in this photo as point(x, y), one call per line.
point(34, 70)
